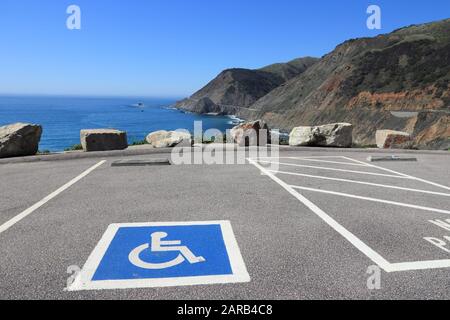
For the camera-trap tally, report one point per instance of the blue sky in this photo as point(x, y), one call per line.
point(170, 48)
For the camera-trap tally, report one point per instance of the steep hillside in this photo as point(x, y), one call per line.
point(234, 89)
point(291, 69)
point(363, 80)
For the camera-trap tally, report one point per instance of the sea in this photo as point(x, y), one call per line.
point(63, 117)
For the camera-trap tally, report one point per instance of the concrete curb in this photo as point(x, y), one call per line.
point(86, 155)
point(144, 150)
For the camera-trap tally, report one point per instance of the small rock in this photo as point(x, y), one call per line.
point(390, 139)
point(103, 140)
point(19, 139)
point(254, 133)
point(329, 135)
point(169, 139)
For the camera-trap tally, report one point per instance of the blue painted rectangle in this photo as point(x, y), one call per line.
point(203, 240)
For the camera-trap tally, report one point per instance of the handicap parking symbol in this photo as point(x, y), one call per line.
point(162, 255)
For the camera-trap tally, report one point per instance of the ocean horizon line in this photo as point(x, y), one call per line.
point(93, 96)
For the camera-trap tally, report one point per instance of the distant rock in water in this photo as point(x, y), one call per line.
point(139, 105)
point(19, 139)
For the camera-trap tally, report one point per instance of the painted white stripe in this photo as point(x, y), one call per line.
point(334, 169)
point(419, 265)
point(401, 204)
point(361, 182)
point(309, 157)
point(317, 160)
point(329, 161)
point(402, 174)
point(355, 241)
point(361, 246)
point(321, 157)
point(39, 204)
point(377, 167)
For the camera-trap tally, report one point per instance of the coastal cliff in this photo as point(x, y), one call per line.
point(234, 89)
point(398, 81)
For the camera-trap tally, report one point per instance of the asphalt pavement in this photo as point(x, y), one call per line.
point(308, 223)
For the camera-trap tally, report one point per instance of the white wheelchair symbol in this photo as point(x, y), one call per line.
point(158, 245)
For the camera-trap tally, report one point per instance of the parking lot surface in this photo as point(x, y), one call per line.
point(306, 224)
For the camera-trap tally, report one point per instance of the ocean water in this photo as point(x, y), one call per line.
point(62, 118)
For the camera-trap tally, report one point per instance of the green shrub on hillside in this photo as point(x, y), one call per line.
point(75, 147)
point(139, 143)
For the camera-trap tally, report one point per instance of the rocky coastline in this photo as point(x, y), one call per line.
point(398, 81)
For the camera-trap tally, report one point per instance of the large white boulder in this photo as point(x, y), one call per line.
point(103, 140)
point(254, 133)
point(19, 139)
point(169, 139)
point(329, 135)
point(390, 139)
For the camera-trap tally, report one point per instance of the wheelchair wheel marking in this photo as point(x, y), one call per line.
point(136, 260)
point(157, 244)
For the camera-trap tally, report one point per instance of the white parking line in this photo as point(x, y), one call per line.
point(354, 240)
point(39, 204)
point(360, 245)
point(308, 157)
point(402, 174)
point(361, 182)
point(347, 195)
point(419, 265)
point(317, 160)
point(334, 169)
